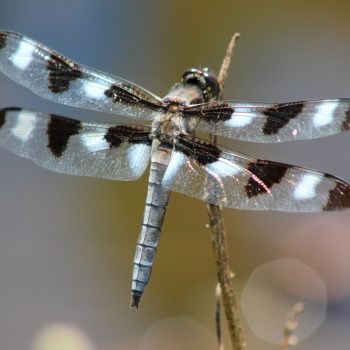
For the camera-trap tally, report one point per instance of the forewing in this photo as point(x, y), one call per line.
point(258, 122)
point(57, 78)
point(115, 152)
point(222, 177)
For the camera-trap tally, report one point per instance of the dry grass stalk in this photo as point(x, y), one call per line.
point(290, 340)
point(219, 243)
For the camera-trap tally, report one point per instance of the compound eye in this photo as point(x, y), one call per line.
point(213, 85)
point(195, 77)
point(190, 74)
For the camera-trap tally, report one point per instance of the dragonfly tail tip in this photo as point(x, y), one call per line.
point(135, 300)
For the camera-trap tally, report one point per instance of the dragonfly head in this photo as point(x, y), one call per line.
point(205, 79)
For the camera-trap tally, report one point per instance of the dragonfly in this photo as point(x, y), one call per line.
point(179, 161)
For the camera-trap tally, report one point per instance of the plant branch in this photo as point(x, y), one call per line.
point(219, 243)
point(218, 296)
point(290, 340)
point(227, 61)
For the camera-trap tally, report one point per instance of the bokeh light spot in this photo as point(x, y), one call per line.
point(271, 292)
point(180, 333)
point(61, 336)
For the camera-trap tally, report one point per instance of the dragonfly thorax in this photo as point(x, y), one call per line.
point(169, 126)
point(197, 85)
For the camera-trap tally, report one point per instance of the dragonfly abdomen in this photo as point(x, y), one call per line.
point(155, 208)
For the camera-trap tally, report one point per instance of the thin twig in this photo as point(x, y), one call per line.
point(225, 277)
point(218, 296)
point(219, 243)
point(290, 340)
point(227, 61)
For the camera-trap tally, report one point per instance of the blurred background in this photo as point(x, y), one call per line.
point(67, 243)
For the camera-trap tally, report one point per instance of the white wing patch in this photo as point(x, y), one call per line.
point(23, 56)
point(94, 142)
point(178, 159)
point(93, 90)
point(306, 188)
point(136, 157)
point(224, 168)
point(239, 118)
point(324, 114)
point(24, 126)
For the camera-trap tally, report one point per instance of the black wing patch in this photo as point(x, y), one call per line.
point(201, 151)
point(59, 131)
point(131, 95)
point(2, 117)
point(61, 72)
point(264, 174)
point(2, 41)
point(339, 197)
point(116, 135)
point(279, 116)
point(213, 112)
point(346, 123)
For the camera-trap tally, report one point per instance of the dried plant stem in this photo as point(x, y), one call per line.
point(218, 295)
point(219, 244)
point(227, 60)
point(225, 277)
point(290, 340)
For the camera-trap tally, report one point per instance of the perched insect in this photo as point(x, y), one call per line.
point(179, 161)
